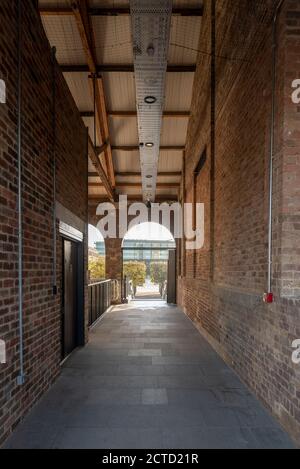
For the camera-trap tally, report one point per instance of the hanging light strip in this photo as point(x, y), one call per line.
point(151, 20)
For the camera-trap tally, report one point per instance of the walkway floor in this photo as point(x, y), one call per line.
point(147, 379)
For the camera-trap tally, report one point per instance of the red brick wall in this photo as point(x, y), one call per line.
point(42, 310)
point(225, 281)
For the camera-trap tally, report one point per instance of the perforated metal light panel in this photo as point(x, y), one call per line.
point(151, 21)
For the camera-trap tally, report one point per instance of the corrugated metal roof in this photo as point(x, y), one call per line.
point(174, 131)
point(113, 39)
point(126, 161)
point(62, 32)
point(170, 161)
point(120, 91)
point(113, 42)
point(184, 39)
point(97, 190)
point(79, 84)
point(123, 131)
point(179, 88)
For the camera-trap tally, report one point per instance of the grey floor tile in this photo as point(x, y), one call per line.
point(144, 353)
point(113, 438)
point(208, 438)
point(218, 416)
point(154, 396)
point(192, 397)
point(148, 379)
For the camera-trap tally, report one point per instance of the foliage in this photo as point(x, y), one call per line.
point(136, 272)
point(158, 273)
point(97, 268)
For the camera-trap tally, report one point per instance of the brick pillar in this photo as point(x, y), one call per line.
point(114, 261)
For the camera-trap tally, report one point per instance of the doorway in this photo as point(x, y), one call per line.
point(72, 297)
point(147, 251)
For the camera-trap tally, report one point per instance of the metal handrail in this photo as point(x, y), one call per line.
point(101, 295)
point(99, 283)
point(100, 299)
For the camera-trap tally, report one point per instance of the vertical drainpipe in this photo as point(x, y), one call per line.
point(21, 377)
point(54, 166)
point(268, 297)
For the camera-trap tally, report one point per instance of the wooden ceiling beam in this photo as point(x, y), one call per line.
point(96, 199)
point(126, 68)
point(166, 114)
point(136, 148)
point(102, 148)
point(124, 185)
point(159, 174)
point(81, 14)
point(120, 11)
point(138, 174)
point(100, 171)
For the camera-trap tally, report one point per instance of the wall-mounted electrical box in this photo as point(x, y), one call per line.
point(2, 92)
point(2, 352)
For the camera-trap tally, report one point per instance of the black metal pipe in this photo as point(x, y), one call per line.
point(54, 167)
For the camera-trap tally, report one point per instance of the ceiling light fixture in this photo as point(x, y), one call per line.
point(149, 144)
point(150, 50)
point(150, 99)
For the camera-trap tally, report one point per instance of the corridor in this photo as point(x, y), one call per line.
point(147, 379)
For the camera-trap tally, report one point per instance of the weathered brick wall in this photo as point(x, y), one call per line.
point(223, 287)
point(42, 310)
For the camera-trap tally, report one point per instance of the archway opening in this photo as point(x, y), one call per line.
point(96, 255)
point(146, 249)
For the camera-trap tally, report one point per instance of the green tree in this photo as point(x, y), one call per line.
point(97, 268)
point(136, 272)
point(158, 274)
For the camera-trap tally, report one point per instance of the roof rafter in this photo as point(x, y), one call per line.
point(81, 13)
point(120, 11)
point(100, 170)
point(138, 174)
point(125, 68)
point(96, 199)
point(136, 147)
point(137, 185)
point(166, 114)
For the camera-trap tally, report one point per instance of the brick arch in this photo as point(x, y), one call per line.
point(113, 246)
point(94, 219)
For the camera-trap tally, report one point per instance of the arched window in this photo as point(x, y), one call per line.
point(96, 255)
point(145, 260)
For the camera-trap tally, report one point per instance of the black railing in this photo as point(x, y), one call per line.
point(100, 298)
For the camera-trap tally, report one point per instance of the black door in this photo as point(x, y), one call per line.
point(70, 308)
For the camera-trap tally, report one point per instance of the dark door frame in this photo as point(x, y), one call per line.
point(80, 311)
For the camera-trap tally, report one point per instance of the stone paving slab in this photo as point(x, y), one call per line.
point(148, 379)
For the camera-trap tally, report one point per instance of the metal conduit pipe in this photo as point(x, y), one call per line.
point(268, 297)
point(21, 377)
point(54, 166)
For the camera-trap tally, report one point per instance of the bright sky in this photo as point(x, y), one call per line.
point(94, 235)
point(149, 231)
